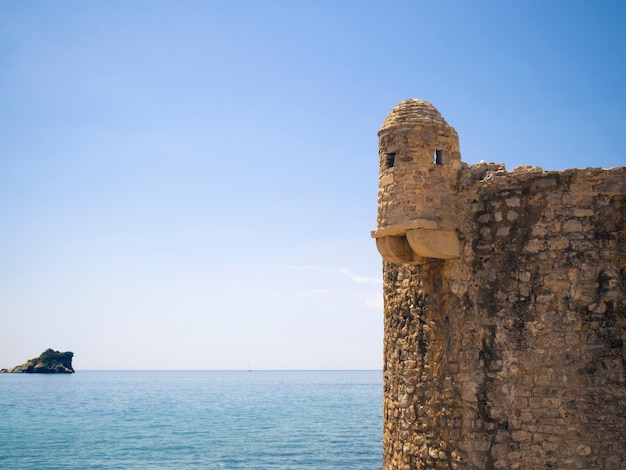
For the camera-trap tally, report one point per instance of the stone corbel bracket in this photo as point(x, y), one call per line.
point(415, 241)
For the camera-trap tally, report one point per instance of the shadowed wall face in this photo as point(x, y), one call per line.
point(512, 354)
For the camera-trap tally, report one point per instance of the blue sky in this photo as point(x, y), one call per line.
point(191, 185)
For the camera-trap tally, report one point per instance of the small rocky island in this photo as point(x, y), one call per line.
point(49, 362)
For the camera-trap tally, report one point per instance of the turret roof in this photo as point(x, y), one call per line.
point(413, 112)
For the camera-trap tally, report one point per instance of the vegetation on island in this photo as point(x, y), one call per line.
point(50, 358)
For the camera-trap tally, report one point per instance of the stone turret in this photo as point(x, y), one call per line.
point(417, 204)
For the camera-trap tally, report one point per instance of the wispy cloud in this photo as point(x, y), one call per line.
point(314, 293)
point(360, 279)
point(307, 267)
point(343, 271)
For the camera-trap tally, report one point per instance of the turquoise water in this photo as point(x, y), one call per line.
point(192, 419)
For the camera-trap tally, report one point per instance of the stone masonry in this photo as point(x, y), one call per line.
point(505, 307)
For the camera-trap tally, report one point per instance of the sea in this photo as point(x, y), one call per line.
point(192, 420)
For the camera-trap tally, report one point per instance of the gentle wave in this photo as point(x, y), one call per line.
point(192, 419)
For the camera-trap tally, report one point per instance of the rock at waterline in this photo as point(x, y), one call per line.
point(49, 362)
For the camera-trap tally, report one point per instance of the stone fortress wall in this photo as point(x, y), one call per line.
point(505, 307)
